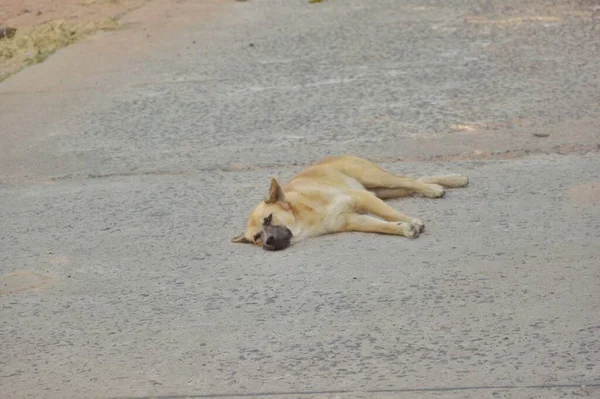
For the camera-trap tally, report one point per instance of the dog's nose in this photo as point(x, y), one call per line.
point(270, 240)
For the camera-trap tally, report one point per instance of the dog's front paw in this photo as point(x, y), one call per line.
point(409, 230)
point(418, 224)
point(434, 191)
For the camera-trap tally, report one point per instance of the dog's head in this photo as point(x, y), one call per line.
point(269, 222)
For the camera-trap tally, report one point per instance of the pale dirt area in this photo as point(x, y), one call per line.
point(44, 26)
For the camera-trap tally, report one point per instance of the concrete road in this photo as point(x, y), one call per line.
point(129, 160)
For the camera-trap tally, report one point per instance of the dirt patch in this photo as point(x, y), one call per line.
point(553, 13)
point(586, 194)
point(44, 26)
point(22, 282)
point(463, 128)
point(510, 21)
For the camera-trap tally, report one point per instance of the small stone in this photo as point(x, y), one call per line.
point(7, 32)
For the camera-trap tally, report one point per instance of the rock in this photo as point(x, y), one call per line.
point(7, 32)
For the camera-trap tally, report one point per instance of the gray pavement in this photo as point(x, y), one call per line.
point(129, 160)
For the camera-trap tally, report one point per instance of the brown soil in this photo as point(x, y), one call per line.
point(22, 281)
point(586, 194)
point(44, 26)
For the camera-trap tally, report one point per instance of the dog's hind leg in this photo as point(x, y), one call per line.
point(388, 193)
point(375, 178)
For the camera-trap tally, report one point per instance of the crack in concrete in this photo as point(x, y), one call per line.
point(387, 390)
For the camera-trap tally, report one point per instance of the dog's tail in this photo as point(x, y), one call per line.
point(449, 181)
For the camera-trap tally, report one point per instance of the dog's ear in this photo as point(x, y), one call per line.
point(275, 194)
point(241, 239)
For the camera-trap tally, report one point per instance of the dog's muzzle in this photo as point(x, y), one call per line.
point(276, 238)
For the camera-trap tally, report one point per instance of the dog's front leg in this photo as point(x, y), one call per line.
point(370, 224)
point(366, 202)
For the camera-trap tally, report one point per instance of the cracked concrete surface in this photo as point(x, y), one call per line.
point(129, 160)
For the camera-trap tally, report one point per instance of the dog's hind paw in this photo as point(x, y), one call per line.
point(434, 191)
point(456, 181)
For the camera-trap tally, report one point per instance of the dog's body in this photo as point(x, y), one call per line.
point(338, 194)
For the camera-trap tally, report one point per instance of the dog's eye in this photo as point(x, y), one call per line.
point(267, 221)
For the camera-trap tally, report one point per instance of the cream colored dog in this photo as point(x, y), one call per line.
point(342, 193)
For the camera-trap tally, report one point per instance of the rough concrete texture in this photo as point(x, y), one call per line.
point(125, 169)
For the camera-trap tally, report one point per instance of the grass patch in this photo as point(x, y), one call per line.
point(34, 46)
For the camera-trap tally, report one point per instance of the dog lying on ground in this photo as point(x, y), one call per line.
point(336, 194)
